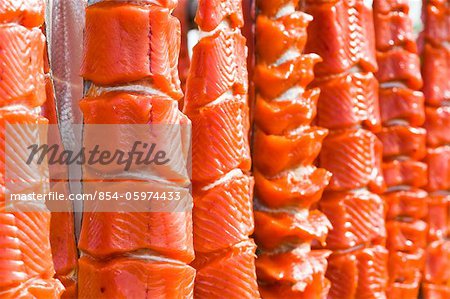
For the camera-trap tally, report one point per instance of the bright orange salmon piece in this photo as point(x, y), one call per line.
point(437, 125)
point(349, 39)
point(223, 212)
point(135, 42)
point(357, 217)
point(435, 291)
point(21, 66)
point(211, 13)
point(404, 290)
point(349, 100)
point(361, 273)
point(394, 29)
point(436, 22)
point(285, 33)
point(272, 81)
point(405, 173)
point(220, 139)
point(438, 161)
point(296, 188)
point(406, 236)
point(134, 278)
point(29, 13)
point(354, 159)
point(406, 267)
point(398, 103)
point(437, 264)
point(401, 140)
point(294, 274)
point(276, 229)
point(271, 8)
point(399, 65)
point(386, 6)
point(224, 53)
point(435, 71)
point(281, 117)
point(437, 217)
point(406, 203)
point(227, 274)
point(274, 154)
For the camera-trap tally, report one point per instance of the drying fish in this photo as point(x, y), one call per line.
point(136, 42)
point(394, 29)
point(349, 100)
point(356, 217)
point(437, 217)
point(406, 204)
point(437, 125)
point(399, 103)
point(405, 173)
point(435, 70)
point(401, 140)
point(211, 14)
point(29, 13)
point(406, 236)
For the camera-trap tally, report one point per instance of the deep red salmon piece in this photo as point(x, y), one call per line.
point(397, 103)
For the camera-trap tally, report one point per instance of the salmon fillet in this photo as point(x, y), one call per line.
point(29, 13)
point(437, 217)
point(399, 103)
point(134, 278)
point(348, 40)
point(405, 267)
point(406, 236)
point(229, 273)
point(405, 173)
point(410, 203)
point(21, 66)
point(437, 263)
point(435, 70)
point(437, 125)
point(349, 100)
point(436, 22)
point(357, 217)
point(435, 291)
point(394, 29)
point(438, 161)
point(401, 140)
point(354, 158)
point(360, 273)
point(223, 214)
point(136, 43)
point(211, 14)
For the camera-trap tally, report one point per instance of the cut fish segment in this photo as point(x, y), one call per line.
point(438, 161)
point(223, 213)
point(435, 291)
point(406, 204)
point(358, 274)
point(435, 71)
point(220, 139)
point(349, 39)
point(29, 13)
point(437, 125)
point(295, 188)
point(357, 218)
point(275, 229)
point(211, 13)
point(398, 103)
point(405, 173)
point(285, 33)
point(387, 6)
point(281, 117)
point(436, 22)
point(437, 265)
point(406, 236)
point(274, 154)
point(272, 81)
point(294, 274)
point(349, 100)
point(21, 66)
point(394, 29)
point(227, 274)
point(217, 68)
point(399, 65)
point(134, 278)
point(354, 159)
point(437, 217)
point(401, 140)
point(405, 267)
point(274, 8)
point(135, 42)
